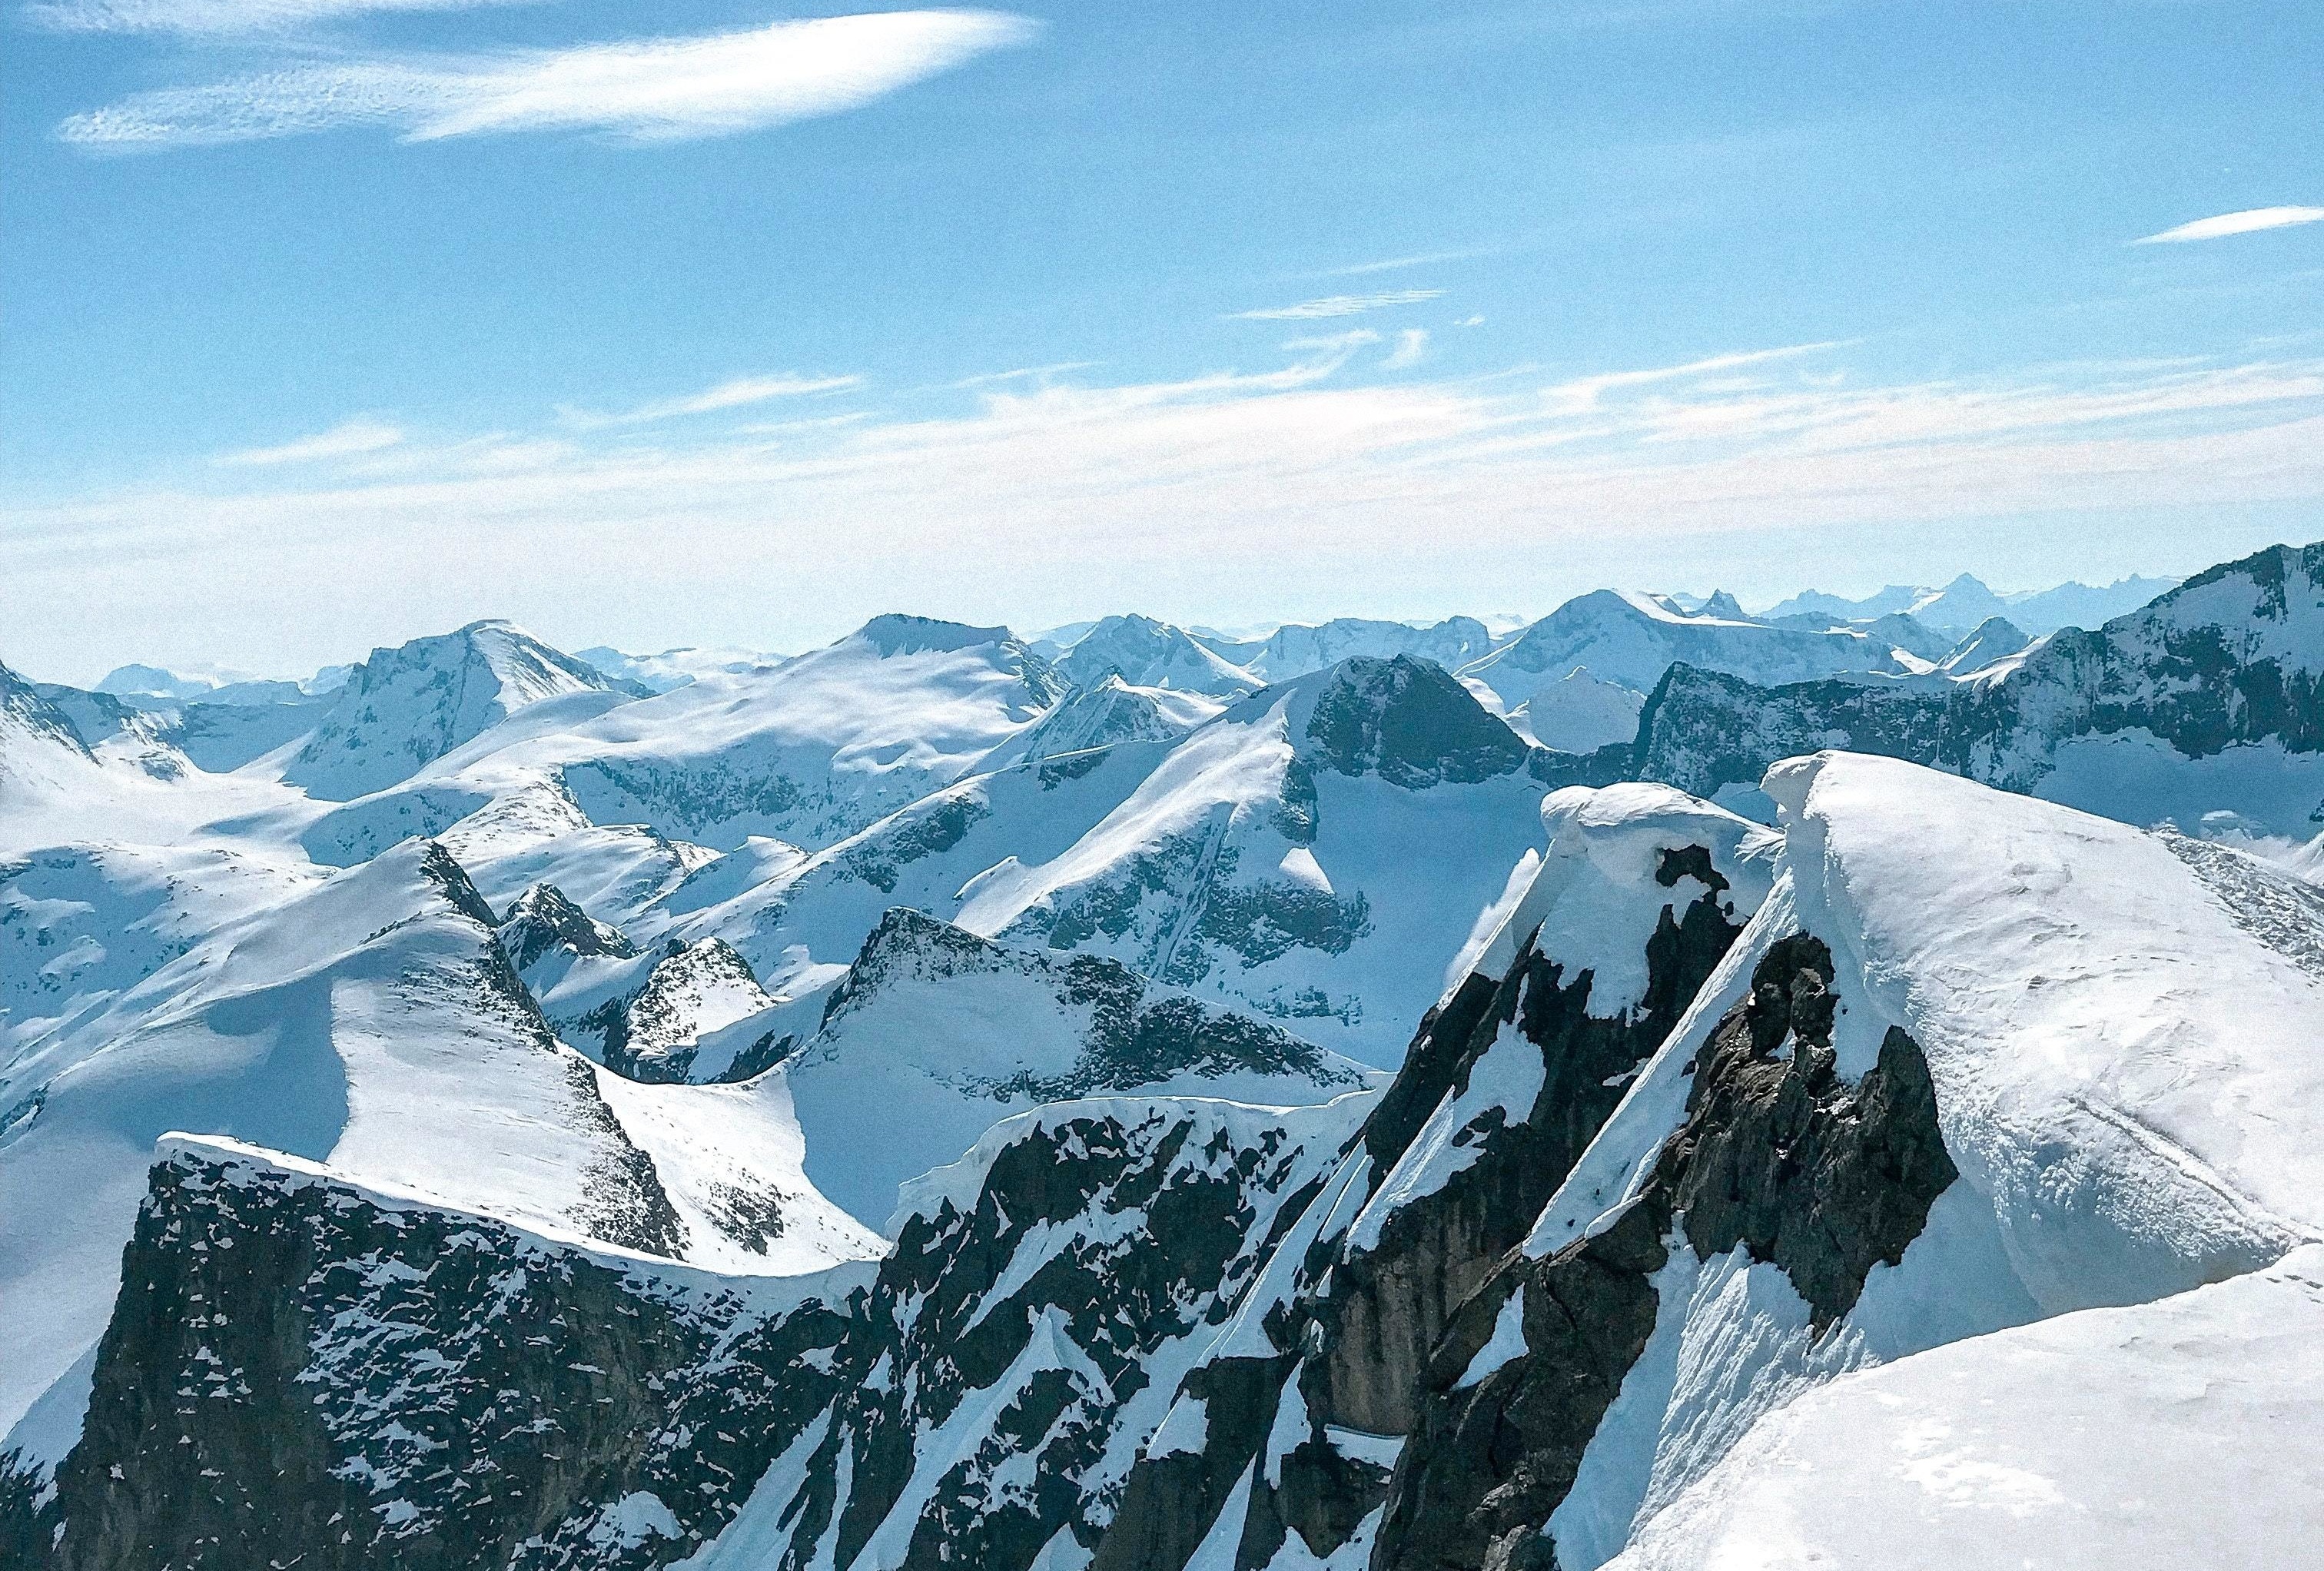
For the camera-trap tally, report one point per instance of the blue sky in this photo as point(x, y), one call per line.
point(331, 323)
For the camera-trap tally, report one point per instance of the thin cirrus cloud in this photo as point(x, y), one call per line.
point(217, 17)
point(1302, 479)
point(653, 91)
point(2251, 221)
point(741, 393)
point(344, 440)
point(1338, 305)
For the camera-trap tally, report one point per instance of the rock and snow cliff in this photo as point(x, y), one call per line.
point(1923, 1174)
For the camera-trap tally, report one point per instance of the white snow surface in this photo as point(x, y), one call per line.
point(2152, 1437)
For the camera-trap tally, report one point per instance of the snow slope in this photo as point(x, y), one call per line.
point(2145, 1438)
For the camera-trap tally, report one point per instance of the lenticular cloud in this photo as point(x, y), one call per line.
point(655, 90)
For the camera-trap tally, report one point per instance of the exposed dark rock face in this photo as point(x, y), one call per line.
point(1143, 1227)
point(1138, 1034)
point(543, 919)
point(1357, 1339)
point(1781, 1156)
point(651, 1034)
point(1777, 1155)
point(1703, 731)
point(1408, 721)
point(299, 1374)
point(440, 867)
point(929, 829)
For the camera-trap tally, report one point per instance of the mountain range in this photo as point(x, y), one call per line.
point(1657, 1086)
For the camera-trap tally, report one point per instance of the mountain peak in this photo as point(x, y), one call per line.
point(406, 706)
point(896, 632)
point(1408, 721)
point(543, 918)
point(1147, 653)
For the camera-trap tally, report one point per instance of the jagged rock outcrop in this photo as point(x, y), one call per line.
point(1505, 1085)
point(1777, 1156)
point(543, 919)
point(303, 1371)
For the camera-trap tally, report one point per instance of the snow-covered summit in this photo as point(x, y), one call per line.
point(405, 707)
point(1295, 649)
point(1996, 638)
point(1147, 653)
point(1633, 639)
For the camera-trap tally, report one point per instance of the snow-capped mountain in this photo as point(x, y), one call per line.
point(909, 1105)
point(1313, 854)
point(1577, 713)
point(944, 1033)
point(1296, 648)
point(674, 668)
point(1630, 639)
point(1146, 654)
point(151, 681)
point(403, 708)
point(809, 750)
point(36, 738)
point(1995, 639)
point(1966, 602)
point(2201, 707)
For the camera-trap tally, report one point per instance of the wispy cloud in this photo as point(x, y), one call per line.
point(1411, 344)
point(738, 394)
point(2248, 222)
point(1338, 305)
point(1345, 343)
point(218, 16)
point(652, 90)
point(1397, 263)
point(1583, 393)
point(342, 440)
point(1024, 373)
point(1307, 477)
